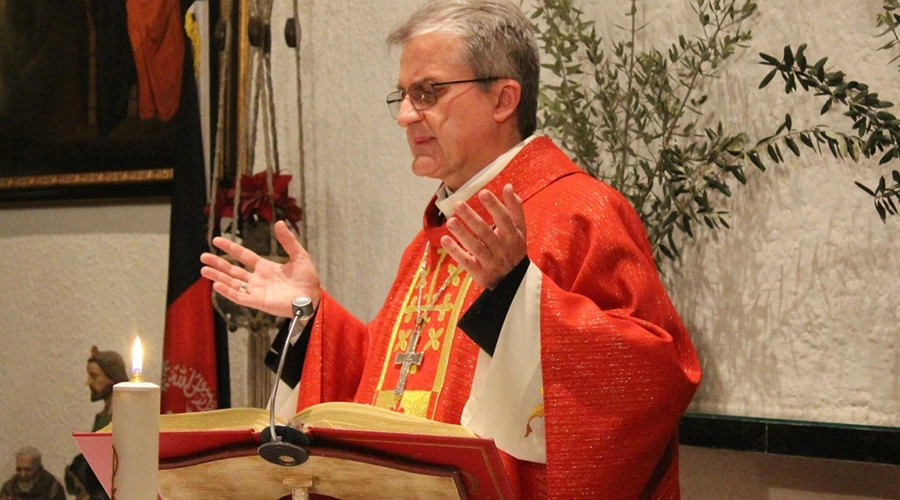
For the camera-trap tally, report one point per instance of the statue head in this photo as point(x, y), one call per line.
point(104, 369)
point(28, 464)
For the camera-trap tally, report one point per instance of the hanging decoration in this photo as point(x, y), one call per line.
point(244, 208)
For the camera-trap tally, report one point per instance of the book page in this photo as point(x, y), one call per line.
point(255, 419)
point(341, 415)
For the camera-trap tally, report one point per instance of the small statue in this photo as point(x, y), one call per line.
point(104, 370)
point(31, 479)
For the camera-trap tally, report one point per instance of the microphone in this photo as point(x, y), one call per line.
point(282, 444)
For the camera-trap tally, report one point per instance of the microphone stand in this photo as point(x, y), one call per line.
point(280, 446)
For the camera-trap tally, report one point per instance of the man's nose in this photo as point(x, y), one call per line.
point(407, 114)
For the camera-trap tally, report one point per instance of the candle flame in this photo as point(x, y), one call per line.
point(137, 360)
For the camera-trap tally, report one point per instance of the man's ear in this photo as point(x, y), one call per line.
point(508, 97)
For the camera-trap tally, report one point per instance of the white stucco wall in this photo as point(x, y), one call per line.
point(73, 277)
point(792, 310)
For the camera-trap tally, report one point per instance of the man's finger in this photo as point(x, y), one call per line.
point(289, 241)
point(499, 213)
point(468, 241)
point(223, 266)
point(514, 206)
point(235, 295)
point(481, 229)
point(459, 254)
point(247, 257)
point(220, 277)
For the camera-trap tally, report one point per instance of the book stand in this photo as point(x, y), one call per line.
point(216, 455)
point(346, 475)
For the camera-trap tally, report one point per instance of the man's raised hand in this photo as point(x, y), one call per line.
point(488, 251)
point(263, 284)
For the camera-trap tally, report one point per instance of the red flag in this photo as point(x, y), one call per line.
point(195, 349)
point(190, 382)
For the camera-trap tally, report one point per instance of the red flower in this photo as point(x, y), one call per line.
point(256, 202)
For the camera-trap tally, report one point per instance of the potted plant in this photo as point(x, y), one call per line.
point(248, 211)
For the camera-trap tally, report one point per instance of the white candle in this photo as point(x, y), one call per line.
point(135, 435)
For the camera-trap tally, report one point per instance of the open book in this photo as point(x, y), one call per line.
point(352, 445)
point(333, 415)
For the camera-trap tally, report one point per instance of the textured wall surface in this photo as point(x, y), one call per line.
point(793, 310)
point(73, 277)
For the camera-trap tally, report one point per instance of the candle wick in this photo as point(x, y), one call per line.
point(136, 377)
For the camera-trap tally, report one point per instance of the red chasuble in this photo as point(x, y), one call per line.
point(618, 366)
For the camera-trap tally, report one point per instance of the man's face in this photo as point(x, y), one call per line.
point(100, 384)
point(444, 139)
point(25, 472)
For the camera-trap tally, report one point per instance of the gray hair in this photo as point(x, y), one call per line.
point(499, 41)
point(31, 452)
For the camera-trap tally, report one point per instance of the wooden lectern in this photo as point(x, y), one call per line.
point(203, 460)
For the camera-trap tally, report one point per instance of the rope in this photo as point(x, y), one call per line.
point(219, 154)
point(301, 196)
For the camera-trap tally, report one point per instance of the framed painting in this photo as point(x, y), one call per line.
point(69, 125)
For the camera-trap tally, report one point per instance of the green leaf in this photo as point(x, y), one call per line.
point(801, 59)
point(754, 157)
point(788, 56)
point(769, 60)
point(792, 146)
point(864, 188)
point(765, 81)
point(665, 250)
point(686, 225)
point(819, 69)
point(851, 149)
point(772, 154)
point(806, 141)
point(881, 211)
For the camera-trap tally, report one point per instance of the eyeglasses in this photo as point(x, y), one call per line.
point(422, 95)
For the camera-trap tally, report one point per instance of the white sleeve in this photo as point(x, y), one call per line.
point(506, 402)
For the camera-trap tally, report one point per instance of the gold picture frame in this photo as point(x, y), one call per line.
point(53, 97)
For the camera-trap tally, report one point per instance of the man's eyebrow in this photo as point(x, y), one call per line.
point(420, 80)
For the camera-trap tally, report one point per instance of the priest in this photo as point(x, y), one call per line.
point(528, 308)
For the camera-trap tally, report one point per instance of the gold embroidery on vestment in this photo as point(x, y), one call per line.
point(536, 412)
point(445, 306)
point(378, 400)
point(441, 373)
point(434, 339)
point(417, 402)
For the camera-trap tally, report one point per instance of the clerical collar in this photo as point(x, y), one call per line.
point(447, 199)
